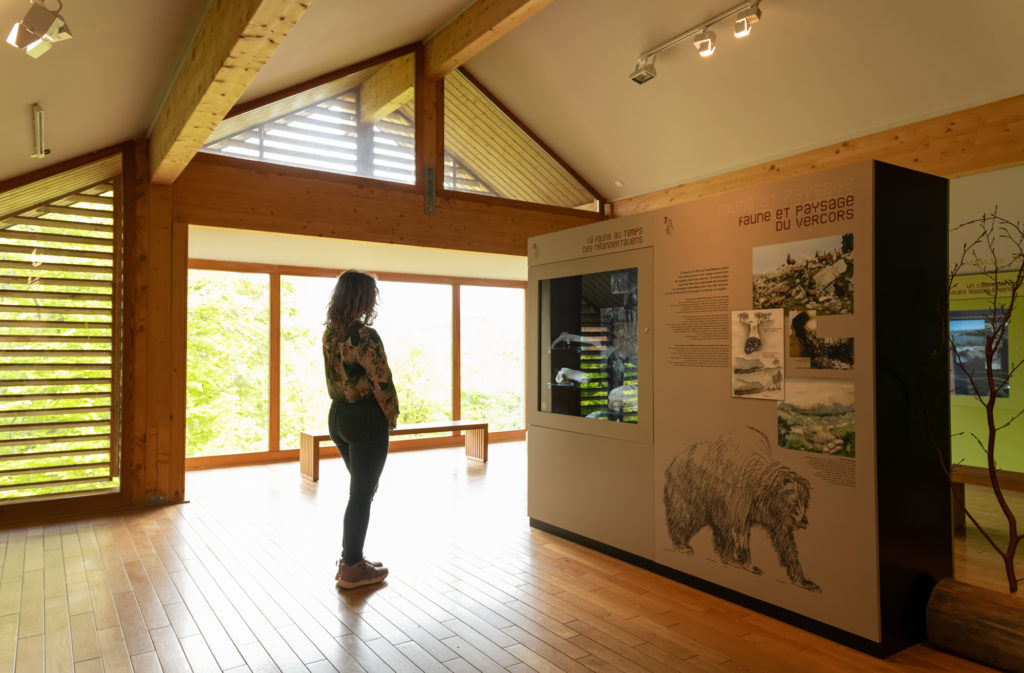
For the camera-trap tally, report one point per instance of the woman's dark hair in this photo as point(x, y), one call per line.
point(354, 300)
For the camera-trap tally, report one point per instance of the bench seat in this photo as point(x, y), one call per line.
point(969, 474)
point(475, 438)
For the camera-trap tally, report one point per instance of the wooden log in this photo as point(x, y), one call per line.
point(979, 624)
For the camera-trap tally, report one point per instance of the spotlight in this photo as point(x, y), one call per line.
point(40, 28)
point(745, 13)
point(747, 17)
point(705, 42)
point(644, 71)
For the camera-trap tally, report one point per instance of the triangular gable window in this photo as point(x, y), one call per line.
point(488, 152)
point(362, 124)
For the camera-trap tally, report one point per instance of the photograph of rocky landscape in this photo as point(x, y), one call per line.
point(813, 275)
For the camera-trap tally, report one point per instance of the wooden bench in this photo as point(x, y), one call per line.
point(475, 437)
point(968, 474)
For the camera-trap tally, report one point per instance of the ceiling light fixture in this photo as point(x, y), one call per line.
point(37, 133)
point(746, 18)
point(644, 71)
point(40, 28)
point(745, 14)
point(705, 42)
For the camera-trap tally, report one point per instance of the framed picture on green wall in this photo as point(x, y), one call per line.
point(968, 333)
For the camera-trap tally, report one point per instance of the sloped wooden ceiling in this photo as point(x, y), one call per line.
point(500, 153)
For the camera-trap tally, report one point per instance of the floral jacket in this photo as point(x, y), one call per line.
point(356, 367)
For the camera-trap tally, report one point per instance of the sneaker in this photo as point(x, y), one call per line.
point(338, 563)
point(359, 574)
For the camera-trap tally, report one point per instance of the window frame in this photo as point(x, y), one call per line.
point(273, 452)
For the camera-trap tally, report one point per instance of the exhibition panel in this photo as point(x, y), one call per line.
point(789, 466)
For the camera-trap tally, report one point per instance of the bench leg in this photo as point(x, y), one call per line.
point(959, 515)
point(476, 445)
point(309, 457)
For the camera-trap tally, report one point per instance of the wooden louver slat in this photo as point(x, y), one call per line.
point(59, 267)
point(58, 377)
point(64, 310)
point(54, 238)
point(22, 427)
point(54, 482)
point(35, 455)
point(77, 212)
point(54, 396)
point(56, 324)
point(46, 441)
point(55, 282)
point(53, 339)
point(50, 223)
point(66, 252)
point(46, 294)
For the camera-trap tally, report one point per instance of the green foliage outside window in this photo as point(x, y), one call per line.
point(228, 363)
point(228, 355)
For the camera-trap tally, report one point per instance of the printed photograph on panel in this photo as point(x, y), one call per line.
point(803, 331)
point(718, 490)
point(758, 355)
point(817, 415)
point(832, 353)
point(809, 351)
point(810, 275)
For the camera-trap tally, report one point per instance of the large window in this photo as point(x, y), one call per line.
point(415, 324)
point(304, 401)
point(60, 345)
point(493, 356)
point(228, 363)
point(255, 375)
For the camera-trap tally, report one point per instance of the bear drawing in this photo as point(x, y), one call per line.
point(731, 484)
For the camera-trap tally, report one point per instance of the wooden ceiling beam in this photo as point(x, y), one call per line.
point(480, 26)
point(388, 89)
point(234, 41)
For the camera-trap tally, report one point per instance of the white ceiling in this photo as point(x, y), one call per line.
point(813, 72)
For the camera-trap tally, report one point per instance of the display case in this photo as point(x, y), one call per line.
point(592, 363)
point(588, 339)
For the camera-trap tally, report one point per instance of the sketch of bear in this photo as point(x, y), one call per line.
point(732, 484)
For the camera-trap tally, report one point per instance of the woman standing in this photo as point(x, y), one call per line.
point(364, 407)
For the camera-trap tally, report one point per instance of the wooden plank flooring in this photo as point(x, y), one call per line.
point(241, 579)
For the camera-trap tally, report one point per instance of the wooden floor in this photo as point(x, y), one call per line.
point(241, 579)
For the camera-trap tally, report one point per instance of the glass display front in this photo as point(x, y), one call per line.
point(588, 337)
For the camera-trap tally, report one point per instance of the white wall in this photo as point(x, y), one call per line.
point(976, 195)
point(236, 245)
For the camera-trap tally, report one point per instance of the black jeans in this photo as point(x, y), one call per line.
point(360, 430)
